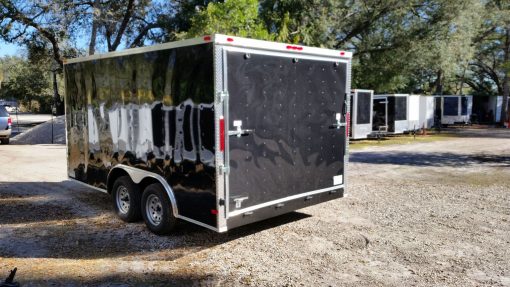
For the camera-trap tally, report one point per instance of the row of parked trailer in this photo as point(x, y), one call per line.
point(373, 115)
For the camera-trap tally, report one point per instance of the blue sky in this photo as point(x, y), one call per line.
point(9, 49)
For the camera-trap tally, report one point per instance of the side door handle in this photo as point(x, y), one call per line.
point(239, 132)
point(338, 123)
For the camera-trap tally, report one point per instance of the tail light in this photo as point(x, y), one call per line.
point(9, 121)
point(222, 134)
point(347, 124)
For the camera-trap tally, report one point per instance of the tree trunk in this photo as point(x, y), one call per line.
point(506, 79)
point(95, 25)
point(59, 104)
point(439, 83)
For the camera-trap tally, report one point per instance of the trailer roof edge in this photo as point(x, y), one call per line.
point(220, 40)
point(278, 46)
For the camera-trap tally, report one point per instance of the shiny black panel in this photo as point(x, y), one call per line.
point(379, 116)
point(463, 105)
point(451, 106)
point(391, 113)
point(400, 108)
point(153, 111)
point(291, 104)
point(363, 108)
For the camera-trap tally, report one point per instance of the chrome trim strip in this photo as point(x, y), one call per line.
point(347, 94)
point(132, 51)
point(137, 175)
point(235, 41)
point(226, 111)
point(198, 223)
point(274, 202)
point(87, 185)
point(221, 40)
point(219, 112)
point(286, 54)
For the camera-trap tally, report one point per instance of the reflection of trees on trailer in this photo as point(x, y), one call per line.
point(390, 113)
point(452, 109)
point(361, 113)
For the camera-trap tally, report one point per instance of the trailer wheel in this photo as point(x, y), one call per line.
point(157, 210)
point(126, 199)
point(5, 141)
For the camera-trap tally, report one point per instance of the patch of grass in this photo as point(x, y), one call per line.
point(400, 140)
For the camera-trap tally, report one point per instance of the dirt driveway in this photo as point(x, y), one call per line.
point(423, 214)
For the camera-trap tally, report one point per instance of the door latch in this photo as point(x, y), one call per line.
point(239, 201)
point(239, 132)
point(338, 123)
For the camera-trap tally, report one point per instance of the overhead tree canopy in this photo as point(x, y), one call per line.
point(420, 46)
point(235, 17)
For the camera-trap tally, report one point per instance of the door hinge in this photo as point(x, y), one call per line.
point(221, 96)
point(224, 169)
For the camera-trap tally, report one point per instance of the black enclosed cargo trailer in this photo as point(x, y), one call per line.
point(220, 131)
point(390, 113)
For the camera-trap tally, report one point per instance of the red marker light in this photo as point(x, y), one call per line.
point(342, 53)
point(207, 38)
point(222, 134)
point(214, 211)
point(348, 123)
point(9, 121)
point(230, 40)
point(297, 48)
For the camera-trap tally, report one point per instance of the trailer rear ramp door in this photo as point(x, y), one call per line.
point(287, 132)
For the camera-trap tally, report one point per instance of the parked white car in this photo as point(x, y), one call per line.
point(5, 125)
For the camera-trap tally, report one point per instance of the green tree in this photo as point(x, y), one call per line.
point(490, 70)
point(235, 17)
point(25, 82)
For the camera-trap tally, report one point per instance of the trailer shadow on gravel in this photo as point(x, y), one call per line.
point(436, 159)
point(145, 279)
point(67, 220)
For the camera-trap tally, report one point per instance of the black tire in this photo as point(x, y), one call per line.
point(126, 194)
point(157, 210)
point(5, 141)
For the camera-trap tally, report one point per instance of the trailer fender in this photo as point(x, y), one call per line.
point(137, 175)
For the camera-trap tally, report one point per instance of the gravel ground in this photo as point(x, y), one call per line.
point(426, 214)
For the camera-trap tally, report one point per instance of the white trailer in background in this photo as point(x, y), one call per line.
point(495, 103)
point(455, 109)
point(390, 113)
point(413, 112)
point(427, 108)
point(361, 113)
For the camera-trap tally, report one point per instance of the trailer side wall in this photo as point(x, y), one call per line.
point(153, 111)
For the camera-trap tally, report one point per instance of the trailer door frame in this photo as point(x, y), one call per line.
point(222, 86)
